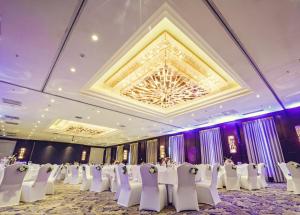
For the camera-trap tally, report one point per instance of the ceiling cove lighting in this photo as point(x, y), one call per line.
point(165, 72)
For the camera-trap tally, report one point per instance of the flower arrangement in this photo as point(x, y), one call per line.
point(233, 167)
point(11, 160)
point(98, 168)
point(49, 169)
point(83, 168)
point(254, 166)
point(193, 171)
point(209, 167)
point(124, 169)
point(23, 168)
point(152, 170)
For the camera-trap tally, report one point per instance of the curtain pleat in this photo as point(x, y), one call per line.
point(107, 155)
point(263, 145)
point(176, 148)
point(133, 158)
point(211, 146)
point(151, 153)
point(120, 153)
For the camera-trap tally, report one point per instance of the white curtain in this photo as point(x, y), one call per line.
point(133, 157)
point(263, 145)
point(119, 153)
point(151, 153)
point(96, 155)
point(211, 146)
point(107, 155)
point(176, 148)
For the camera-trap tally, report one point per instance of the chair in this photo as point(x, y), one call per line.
point(11, 184)
point(262, 175)
point(220, 180)
point(294, 169)
point(86, 178)
point(68, 174)
point(288, 177)
point(113, 181)
point(32, 172)
point(154, 196)
point(136, 174)
point(75, 176)
point(99, 183)
point(130, 192)
point(36, 190)
point(184, 193)
point(51, 180)
point(250, 181)
point(232, 178)
point(207, 193)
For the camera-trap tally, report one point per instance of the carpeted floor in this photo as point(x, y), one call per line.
point(68, 200)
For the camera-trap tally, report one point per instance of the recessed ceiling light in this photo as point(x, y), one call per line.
point(88, 117)
point(170, 120)
point(42, 115)
point(221, 106)
point(52, 100)
point(38, 121)
point(118, 123)
point(129, 119)
point(257, 96)
point(72, 69)
point(270, 107)
point(59, 89)
point(192, 114)
point(95, 37)
point(98, 111)
point(35, 126)
point(46, 109)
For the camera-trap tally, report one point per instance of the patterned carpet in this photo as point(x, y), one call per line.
point(68, 200)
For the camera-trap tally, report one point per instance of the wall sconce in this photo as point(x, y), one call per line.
point(21, 153)
point(125, 154)
point(83, 155)
point(297, 128)
point(162, 151)
point(232, 145)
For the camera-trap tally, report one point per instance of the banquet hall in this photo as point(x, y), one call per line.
point(149, 107)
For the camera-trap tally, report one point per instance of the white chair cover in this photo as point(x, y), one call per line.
point(130, 192)
point(185, 188)
point(36, 190)
point(154, 196)
point(86, 178)
point(288, 177)
point(250, 181)
point(262, 175)
point(294, 169)
point(11, 184)
point(68, 174)
point(207, 193)
point(99, 183)
point(51, 179)
point(75, 176)
point(231, 177)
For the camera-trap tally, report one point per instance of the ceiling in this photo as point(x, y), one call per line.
point(48, 58)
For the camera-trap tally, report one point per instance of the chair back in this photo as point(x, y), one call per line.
point(97, 173)
point(75, 171)
point(149, 180)
point(136, 173)
point(214, 175)
point(261, 169)
point(230, 170)
point(43, 175)
point(207, 172)
point(294, 169)
point(12, 176)
point(252, 170)
point(284, 169)
point(124, 178)
point(185, 178)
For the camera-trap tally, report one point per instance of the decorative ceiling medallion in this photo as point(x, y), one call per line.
point(165, 73)
point(80, 129)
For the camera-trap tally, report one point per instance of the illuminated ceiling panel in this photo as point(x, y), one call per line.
point(80, 129)
point(164, 73)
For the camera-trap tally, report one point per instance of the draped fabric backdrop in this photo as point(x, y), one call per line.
point(263, 145)
point(96, 155)
point(151, 151)
point(119, 156)
point(107, 155)
point(211, 146)
point(176, 148)
point(133, 157)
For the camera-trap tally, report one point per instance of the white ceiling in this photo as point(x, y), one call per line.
point(33, 32)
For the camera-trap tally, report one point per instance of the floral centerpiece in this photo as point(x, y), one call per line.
point(233, 167)
point(83, 168)
point(193, 170)
point(124, 169)
point(98, 168)
point(22, 168)
point(152, 170)
point(49, 169)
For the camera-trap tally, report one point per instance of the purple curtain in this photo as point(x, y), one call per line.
point(176, 148)
point(263, 145)
point(211, 146)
